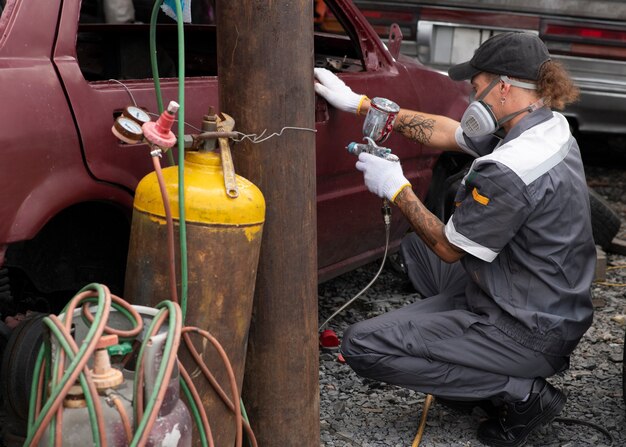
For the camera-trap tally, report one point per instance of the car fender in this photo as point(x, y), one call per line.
point(59, 191)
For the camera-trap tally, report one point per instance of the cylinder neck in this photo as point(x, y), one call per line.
point(208, 158)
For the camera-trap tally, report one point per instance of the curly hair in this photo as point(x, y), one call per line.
point(555, 85)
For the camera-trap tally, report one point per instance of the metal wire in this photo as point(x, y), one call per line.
point(256, 139)
point(127, 90)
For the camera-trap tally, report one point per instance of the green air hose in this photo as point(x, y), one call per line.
point(170, 349)
point(94, 333)
point(181, 135)
point(91, 404)
point(155, 65)
point(184, 286)
point(95, 317)
point(195, 413)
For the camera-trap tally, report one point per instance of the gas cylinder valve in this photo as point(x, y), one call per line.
point(103, 374)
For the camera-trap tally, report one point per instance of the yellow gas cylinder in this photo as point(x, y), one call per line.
point(223, 244)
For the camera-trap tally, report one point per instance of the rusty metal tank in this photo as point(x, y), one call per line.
point(223, 244)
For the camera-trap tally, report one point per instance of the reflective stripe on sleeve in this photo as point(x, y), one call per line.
point(468, 245)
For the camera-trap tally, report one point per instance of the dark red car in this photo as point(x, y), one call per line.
point(66, 183)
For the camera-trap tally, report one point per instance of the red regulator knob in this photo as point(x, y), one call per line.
point(159, 133)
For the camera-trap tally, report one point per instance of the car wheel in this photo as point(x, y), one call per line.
point(446, 179)
point(605, 222)
point(5, 334)
point(6, 302)
point(18, 364)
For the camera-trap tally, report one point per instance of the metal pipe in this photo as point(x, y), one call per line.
point(216, 134)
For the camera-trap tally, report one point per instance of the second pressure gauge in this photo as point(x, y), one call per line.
point(127, 130)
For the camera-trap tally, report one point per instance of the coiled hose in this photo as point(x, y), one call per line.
point(46, 406)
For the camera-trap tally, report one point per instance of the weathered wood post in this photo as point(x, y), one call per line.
point(265, 68)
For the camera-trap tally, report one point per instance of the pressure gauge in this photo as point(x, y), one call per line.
point(136, 114)
point(127, 130)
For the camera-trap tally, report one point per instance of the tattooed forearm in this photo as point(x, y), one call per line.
point(428, 227)
point(425, 224)
point(416, 127)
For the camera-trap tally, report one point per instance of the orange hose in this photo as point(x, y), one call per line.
point(119, 406)
point(216, 386)
point(231, 377)
point(207, 372)
point(169, 368)
point(80, 368)
point(198, 402)
point(422, 425)
point(40, 390)
point(139, 372)
point(58, 434)
point(171, 247)
point(120, 333)
point(93, 391)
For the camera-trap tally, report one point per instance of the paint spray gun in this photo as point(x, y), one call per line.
point(371, 147)
point(377, 127)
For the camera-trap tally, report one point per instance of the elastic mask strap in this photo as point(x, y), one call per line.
point(530, 109)
point(521, 84)
point(507, 80)
point(485, 92)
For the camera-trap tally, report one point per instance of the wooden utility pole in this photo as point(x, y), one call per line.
point(265, 68)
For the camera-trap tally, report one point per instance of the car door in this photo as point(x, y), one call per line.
point(106, 67)
point(351, 230)
point(40, 151)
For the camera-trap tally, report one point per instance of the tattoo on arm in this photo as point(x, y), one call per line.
point(426, 225)
point(416, 127)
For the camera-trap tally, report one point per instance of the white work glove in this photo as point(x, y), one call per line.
point(336, 92)
point(382, 177)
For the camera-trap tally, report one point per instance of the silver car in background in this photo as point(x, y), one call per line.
point(588, 37)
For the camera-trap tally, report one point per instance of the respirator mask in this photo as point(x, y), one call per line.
point(479, 120)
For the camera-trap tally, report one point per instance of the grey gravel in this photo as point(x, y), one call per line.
point(360, 412)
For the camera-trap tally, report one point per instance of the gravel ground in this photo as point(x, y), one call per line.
point(360, 412)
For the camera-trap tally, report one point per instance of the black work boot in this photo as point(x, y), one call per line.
point(518, 419)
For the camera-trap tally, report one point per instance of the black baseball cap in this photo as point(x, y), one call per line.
point(515, 54)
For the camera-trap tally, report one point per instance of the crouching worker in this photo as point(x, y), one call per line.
point(507, 279)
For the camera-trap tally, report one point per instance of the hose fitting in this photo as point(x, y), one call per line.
point(386, 212)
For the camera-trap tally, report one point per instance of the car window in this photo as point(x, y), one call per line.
point(113, 40)
point(5, 9)
point(336, 42)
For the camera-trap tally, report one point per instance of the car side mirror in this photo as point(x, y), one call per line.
point(395, 40)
